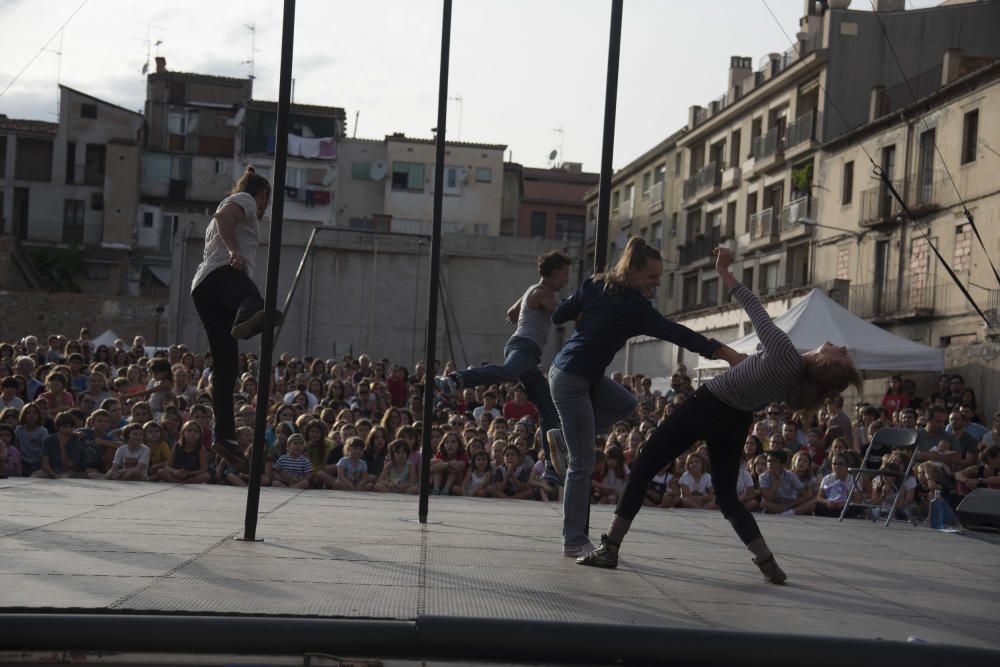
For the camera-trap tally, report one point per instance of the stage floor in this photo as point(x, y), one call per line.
point(119, 547)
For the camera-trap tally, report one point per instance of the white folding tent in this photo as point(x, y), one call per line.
point(817, 318)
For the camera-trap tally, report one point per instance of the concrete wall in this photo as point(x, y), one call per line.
point(367, 293)
point(44, 313)
point(358, 197)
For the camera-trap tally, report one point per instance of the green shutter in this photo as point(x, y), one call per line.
point(361, 170)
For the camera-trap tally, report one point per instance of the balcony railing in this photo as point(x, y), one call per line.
point(886, 300)
point(928, 189)
point(761, 224)
point(656, 194)
point(993, 308)
point(767, 144)
point(794, 211)
point(700, 247)
point(707, 177)
point(803, 128)
point(878, 205)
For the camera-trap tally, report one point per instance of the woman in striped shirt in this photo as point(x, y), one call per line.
point(721, 412)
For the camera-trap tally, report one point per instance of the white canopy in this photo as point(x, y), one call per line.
point(107, 338)
point(817, 318)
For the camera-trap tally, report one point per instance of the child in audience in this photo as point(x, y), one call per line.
point(448, 466)
point(98, 444)
point(696, 484)
point(30, 436)
point(802, 466)
point(376, 452)
point(511, 479)
point(781, 490)
point(227, 472)
point(188, 463)
point(131, 461)
point(159, 450)
point(664, 490)
point(615, 476)
point(479, 476)
point(294, 468)
point(12, 457)
point(835, 489)
point(352, 471)
point(398, 474)
point(62, 452)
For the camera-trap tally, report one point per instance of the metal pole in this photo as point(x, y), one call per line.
point(273, 262)
point(432, 289)
point(608, 148)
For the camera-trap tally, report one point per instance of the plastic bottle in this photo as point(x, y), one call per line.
point(937, 510)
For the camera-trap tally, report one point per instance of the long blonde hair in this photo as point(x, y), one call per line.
point(637, 252)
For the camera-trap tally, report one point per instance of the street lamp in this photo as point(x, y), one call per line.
point(851, 232)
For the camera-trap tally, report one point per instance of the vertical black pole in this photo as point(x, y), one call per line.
point(608, 148)
point(273, 262)
point(432, 290)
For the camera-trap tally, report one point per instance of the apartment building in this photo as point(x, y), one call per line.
point(315, 133)
point(646, 202)
point(895, 278)
point(187, 164)
point(69, 194)
point(752, 159)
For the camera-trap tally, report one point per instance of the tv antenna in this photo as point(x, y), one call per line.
point(58, 54)
point(252, 27)
point(552, 155)
point(460, 105)
point(150, 44)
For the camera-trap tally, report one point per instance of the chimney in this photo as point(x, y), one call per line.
point(161, 64)
point(876, 103)
point(740, 69)
point(951, 66)
point(890, 5)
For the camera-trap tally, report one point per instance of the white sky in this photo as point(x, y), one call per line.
point(522, 67)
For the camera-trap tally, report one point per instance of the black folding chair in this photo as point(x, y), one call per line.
point(893, 438)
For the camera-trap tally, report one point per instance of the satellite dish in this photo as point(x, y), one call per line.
point(552, 155)
point(377, 171)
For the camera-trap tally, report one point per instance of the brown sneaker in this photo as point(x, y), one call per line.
point(232, 454)
point(771, 570)
point(254, 324)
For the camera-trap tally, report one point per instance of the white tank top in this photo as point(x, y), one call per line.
point(533, 323)
point(247, 239)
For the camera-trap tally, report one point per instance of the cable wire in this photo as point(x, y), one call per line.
point(44, 46)
point(920, 117)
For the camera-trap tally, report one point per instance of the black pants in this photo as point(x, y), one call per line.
point(724, 428)
point(223, 298)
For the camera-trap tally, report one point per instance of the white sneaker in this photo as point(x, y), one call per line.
point(446, 385)
point(578, 550)
point(558, 452)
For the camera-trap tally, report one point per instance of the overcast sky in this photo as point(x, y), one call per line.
point(521, 67)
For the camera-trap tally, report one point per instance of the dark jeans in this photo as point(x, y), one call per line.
point(223, 298)
point(724, 428)
point(521, 359)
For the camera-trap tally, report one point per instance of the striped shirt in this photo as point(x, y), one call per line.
point(297, 468)
point(768, 376)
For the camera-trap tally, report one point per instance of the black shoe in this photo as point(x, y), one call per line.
point(254, 324)
point(771, 571)
point(232, 454)
point(605, 556)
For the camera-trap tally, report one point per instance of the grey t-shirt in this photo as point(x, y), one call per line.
point(216, 254)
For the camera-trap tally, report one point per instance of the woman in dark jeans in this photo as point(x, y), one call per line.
point(227, 300)
point(721, 411)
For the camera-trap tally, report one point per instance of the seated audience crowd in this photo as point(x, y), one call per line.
point(69, 408)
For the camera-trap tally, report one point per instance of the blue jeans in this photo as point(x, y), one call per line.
point(521, 359)
point(584, 410)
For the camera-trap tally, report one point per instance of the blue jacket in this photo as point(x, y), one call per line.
point(609, 318)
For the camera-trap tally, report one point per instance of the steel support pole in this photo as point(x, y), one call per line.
point(273, 265)
point(434, 281)
point(608, 147)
